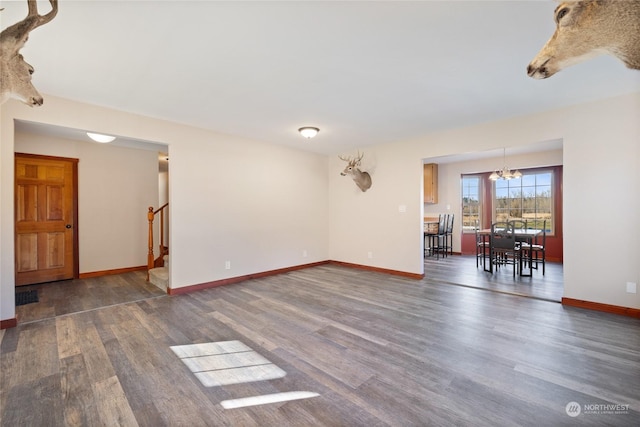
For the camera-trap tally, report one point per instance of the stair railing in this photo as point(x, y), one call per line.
point(151, 214)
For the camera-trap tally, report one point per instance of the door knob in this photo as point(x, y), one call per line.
point(67, 226)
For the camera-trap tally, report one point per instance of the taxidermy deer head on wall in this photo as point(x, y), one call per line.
point(588, 28)
point(15, 72)
point(362, 179)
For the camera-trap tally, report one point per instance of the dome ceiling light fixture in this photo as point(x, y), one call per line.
point(98, 137)
point(308, 131)
point(505, 172)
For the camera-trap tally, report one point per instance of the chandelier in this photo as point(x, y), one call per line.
point(505, 172)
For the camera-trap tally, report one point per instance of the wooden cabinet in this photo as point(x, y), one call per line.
point(431, 183)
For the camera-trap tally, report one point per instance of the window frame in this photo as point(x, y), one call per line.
point(487, 196)
point(552, 202)
point(481, 183)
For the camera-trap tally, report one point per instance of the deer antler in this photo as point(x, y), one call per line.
point(42, 19)
point(20, 31)
point(360, 156)
point(353, 161)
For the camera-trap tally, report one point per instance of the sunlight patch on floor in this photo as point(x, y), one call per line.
point(267, 398)
point(232, 362)
point(225, 363)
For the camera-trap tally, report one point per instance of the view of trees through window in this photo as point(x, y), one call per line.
point(528, 198)
point(471, 207)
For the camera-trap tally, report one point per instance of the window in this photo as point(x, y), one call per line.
point(471, 202)
point(529, 198)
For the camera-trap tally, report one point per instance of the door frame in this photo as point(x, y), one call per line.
point(74, 207)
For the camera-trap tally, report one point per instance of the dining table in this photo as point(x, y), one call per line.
point(527, 235)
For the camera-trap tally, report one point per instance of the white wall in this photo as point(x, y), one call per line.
point(371, 222)
point(601, 158)
point(163, 188)
point(449, 181)
point(115, 188)
point(254, 204)
point(163, 198)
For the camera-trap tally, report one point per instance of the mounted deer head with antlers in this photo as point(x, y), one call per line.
point(15, 72)
point(588, 28)
point(362, 179)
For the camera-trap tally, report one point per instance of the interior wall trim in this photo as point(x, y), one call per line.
point(8, 323)
point(607, 308)
point(380, 270)
point(111, 272)
point(237, 279)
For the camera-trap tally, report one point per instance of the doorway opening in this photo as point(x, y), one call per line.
point(115, 185)
point(481, 205)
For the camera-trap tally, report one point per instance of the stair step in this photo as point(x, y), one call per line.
point(159, 276)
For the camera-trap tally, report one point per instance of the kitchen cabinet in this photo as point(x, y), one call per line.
point(431, 183)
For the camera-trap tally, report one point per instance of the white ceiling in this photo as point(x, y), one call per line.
point(363, 72)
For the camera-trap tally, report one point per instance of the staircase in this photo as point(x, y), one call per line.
point(158, 268)
point(159, 276)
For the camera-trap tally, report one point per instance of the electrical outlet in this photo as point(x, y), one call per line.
point(304, 253)
point(631, 287)
point(227, 265)
point(370, 255)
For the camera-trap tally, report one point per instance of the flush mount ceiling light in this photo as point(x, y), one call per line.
point(505, 172)
point(308, 131)
point(98, 137)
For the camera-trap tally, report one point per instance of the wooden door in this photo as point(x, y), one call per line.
point(45, 219)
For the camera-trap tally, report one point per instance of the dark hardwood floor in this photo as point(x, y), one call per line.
point(378, 350)
point(73, 296)
point(462, 270)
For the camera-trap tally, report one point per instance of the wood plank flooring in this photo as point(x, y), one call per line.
point(379, 350)
point(73, 296)
point(462, 270)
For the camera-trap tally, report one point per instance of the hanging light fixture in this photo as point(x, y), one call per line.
point(98, 137)
point(308, 131)
point(505, 172)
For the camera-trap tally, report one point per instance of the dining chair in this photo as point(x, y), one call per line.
point(482, 247)
point(437, 240)
point(519, 224)
point(448, 235)
point(429, 238)
point(504, 247)
point(429, 231)
point(538, 251)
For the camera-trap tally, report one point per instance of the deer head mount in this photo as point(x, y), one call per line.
point(15, 72)
point(588, 28)
point(362, 179)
